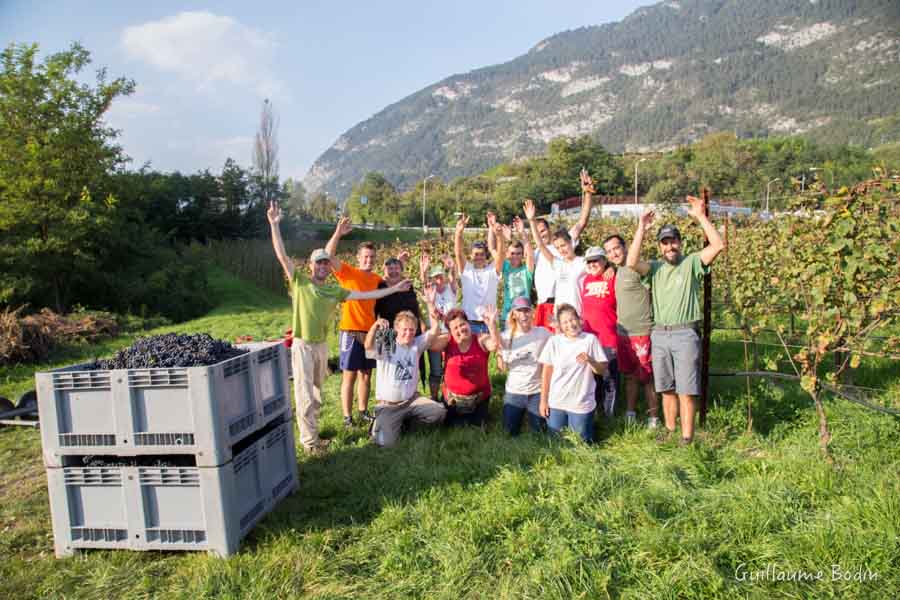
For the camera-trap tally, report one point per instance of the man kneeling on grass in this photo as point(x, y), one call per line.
point(397, 374)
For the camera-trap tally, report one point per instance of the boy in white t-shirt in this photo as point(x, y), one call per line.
point(478, 277)
point(397, 375)
point(568, 268)
point(571, 359)
point(521, 345)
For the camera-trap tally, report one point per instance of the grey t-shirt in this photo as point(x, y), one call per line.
point(634, 312)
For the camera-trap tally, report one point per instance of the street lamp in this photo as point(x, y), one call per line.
point(767, 192)
point(424, 185)
point(636, 179)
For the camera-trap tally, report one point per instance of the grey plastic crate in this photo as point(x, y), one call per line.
point(172, 508)
point(130, 412)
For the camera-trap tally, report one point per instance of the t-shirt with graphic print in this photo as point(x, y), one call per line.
point(516, 282)
point(598, 308)
point(397, 374)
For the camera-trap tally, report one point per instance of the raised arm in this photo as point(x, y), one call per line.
point(500, 255)
point(343, 228)
point(424, 266)
point(450, 269)
point(633, 260)
point(490, 341)
point(433, 312)
point(458, 242)
point(587, 191)
point(529, 214)
point(519, 227)
point(274, 216)
point(402, 286)
point(716, 245)
point(490, 222)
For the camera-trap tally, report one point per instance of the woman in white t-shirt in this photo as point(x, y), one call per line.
point(571, 359)
point(521, 344)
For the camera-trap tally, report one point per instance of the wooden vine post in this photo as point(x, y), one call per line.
point(707, 323)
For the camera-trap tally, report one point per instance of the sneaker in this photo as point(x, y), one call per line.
point(365, 417)
point(652, 422)
point(348, 422)
point(319, 448)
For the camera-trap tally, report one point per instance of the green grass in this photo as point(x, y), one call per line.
point(474, 514)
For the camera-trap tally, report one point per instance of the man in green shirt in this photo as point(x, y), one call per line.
point(314, 304)
point(675, 288)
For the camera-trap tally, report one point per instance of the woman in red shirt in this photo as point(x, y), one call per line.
point(467, 387)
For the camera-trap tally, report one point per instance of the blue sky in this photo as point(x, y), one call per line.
point(203, 68)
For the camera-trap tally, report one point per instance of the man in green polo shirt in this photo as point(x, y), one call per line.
point(314, 304)
point(675, 287)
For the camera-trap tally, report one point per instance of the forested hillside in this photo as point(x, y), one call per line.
point(666, 75)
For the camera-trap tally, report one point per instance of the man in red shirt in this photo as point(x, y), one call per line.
point(597, 287)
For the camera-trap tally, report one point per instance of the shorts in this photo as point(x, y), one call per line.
point(544, 316)
point(634, 357)
point(353, 352)
point(676, 361)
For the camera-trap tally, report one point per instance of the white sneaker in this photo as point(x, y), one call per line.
point(652, 422)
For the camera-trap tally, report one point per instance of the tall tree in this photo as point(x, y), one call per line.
point(56, 154)
point(265, 165)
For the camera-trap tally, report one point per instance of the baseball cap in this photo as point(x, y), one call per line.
point(668, 231)
point(520, 302)
point(435, 271)
point(480, 244)
point(319, 254)
point(594, 253)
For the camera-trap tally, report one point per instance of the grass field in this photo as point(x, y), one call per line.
point(474, 514)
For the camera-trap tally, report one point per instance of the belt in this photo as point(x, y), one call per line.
point(676, 327)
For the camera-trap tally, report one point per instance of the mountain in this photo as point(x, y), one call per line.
point(665, 75)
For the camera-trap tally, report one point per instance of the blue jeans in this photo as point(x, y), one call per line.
point(478, 327)
point(580, 423)
point(436, 370)
point(515, 407)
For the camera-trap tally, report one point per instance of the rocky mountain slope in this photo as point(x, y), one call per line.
point(665, 75)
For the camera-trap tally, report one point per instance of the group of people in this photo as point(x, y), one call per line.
point(596, 316)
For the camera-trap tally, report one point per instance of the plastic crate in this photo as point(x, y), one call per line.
point(172, 508)
point(203, 411)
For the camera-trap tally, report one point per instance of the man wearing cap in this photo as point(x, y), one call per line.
point(444, 282)
point(675, 287)
point(634, 319)
point(478, 276)
point(313, 306)
point(597, 288)
point(544, 275)
point(356, 320)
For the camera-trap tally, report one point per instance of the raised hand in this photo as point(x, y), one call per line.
point(448, 262)
point(529, 209)
point(518, 226)
point(430, 294)
point(696, 208)
point(462, 222)
point(490, 219)
point(424, 263)
point(587, 184)
point(344, 226)
point(403, 257)
point(506, 230)
point(489, 313)
point(274, 213)
point(646, 219)
point(382, 324)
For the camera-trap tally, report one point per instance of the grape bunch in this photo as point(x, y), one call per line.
point(170, 350)
point(385, 341)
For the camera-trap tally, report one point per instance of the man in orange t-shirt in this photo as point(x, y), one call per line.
point(357, 317)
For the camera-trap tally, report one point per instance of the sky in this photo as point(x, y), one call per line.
point(203, 69)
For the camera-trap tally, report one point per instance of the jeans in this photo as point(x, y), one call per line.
point(478, 327)
point(580, 423)
point(436, 366)
point(514, 412)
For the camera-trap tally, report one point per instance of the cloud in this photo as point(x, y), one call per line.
point(208, 49)
point(125, 108)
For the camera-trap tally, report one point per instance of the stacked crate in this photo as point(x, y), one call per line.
point(167, 459)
